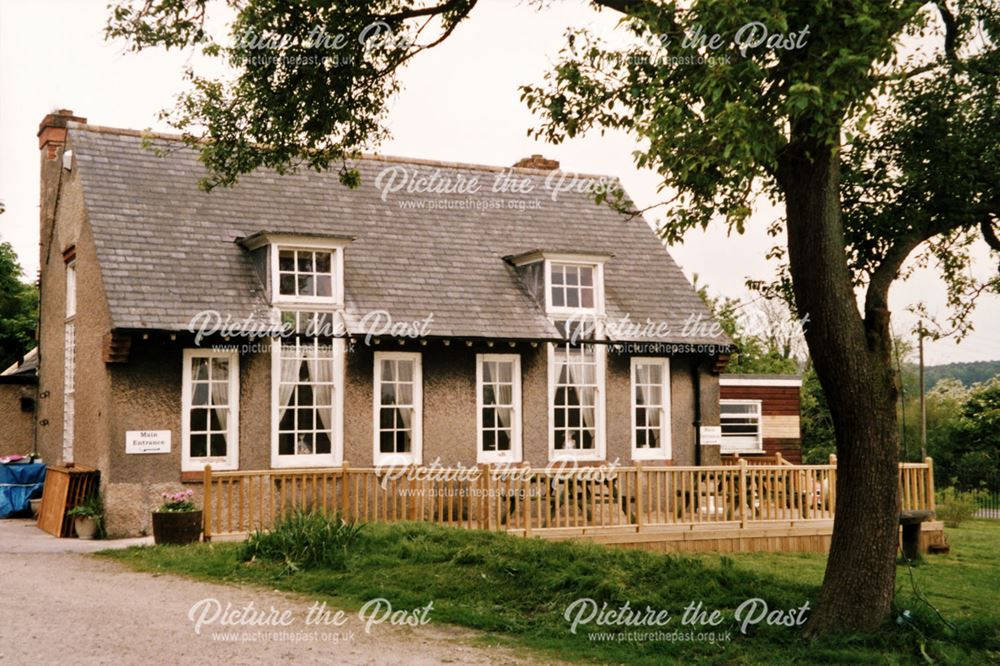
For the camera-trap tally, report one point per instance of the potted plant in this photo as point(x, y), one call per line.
point(87, 517)
point(178, 520)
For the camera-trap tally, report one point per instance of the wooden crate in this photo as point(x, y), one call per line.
point(65, 488)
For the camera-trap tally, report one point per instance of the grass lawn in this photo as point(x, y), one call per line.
point(517, 590)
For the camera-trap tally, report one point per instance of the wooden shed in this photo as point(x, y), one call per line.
point(759, 415)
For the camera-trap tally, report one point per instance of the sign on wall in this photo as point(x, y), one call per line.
point(147, 441)
point(711, 435)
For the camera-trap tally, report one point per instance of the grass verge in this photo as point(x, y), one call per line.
point(517, 590)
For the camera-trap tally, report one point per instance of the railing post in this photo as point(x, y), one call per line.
point(931, 501)
point(345, 497)
point(833, 484)
point(777, 458)
point(743, 493)
point(639, 485)
point(206, 515)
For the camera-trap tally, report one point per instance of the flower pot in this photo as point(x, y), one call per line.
point(176, 527)
point(86, 526)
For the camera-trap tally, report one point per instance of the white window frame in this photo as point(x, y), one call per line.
point(758, 447)
point(516, 450)
point(336, 251)
point(69, 365)
point(336, 455)
point(665, 450)
point(415, 456)
point(231, 461)
point(599, 452)
point(598, 268)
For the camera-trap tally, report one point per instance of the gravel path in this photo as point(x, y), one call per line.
point(75, 608)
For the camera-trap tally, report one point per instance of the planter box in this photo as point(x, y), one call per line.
point(176, 527)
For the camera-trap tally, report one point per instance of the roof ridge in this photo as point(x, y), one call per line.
point(373, 157)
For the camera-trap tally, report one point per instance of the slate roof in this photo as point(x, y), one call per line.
point(167, 250)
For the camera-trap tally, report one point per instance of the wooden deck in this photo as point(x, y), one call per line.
point(736, 507)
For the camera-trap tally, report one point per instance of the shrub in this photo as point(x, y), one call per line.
point(954, 506)
point(301, 540)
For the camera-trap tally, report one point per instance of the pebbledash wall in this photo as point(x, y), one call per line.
point(144, 393)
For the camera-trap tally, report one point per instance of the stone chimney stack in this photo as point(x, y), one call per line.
point(537, 162)
point(51, 144)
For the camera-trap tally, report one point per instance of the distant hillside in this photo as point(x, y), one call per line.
point(967, 373)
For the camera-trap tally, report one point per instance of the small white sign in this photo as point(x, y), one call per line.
point(147, 441)
point(711, 435)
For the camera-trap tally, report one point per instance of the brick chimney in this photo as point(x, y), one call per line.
point(51, 144)
point(52, 131)
point(537, 162)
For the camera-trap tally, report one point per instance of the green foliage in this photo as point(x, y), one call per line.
point(955, 507)
point(818, 438)
point(517, 590)
point(765, 334)
point(963, 434)
point(966, 373)
point(92, 507)
point(312, 79)
point(18, 309)
point(302, 540)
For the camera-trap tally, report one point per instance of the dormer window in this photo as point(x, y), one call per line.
point(571, 286)
point(300, 268)
point(564, 283)
point(306, 274)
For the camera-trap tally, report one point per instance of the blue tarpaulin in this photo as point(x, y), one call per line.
point(18, 484)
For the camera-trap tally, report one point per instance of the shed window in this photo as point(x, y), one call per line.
point(498, 397)
point(740, 421)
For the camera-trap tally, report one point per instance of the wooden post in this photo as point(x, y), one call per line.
point(743, 493)
point(345, 475)
point(206, 516)
point(777, 458)
point(833, 484)
point(833, 459)
point(639, 486)
point(931, 501)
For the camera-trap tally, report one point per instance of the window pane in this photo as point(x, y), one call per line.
point(220, 369)
point(199, 393)
point(557, 275)
point(218, 445)
point(323, 262)
point(558, 300)
point(286, 260)
point(305, 262)
point(489, 440)
point(199, 446)
point(587, 276)
point(323, 444)
point(287, 285)
point(587, 298)
point(324, 285)
point(199, 420)
point(199, 369)
point(503, 440)
point(572, 298)
point(307, 285)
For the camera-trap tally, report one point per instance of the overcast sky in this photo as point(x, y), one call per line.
point(459, 103)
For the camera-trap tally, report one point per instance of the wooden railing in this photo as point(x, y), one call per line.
point(543, 501)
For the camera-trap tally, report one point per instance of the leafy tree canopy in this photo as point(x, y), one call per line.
point(18, 309)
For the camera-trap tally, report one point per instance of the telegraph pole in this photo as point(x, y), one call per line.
point(923, 403)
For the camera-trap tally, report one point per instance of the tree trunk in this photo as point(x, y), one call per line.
point(853, 362)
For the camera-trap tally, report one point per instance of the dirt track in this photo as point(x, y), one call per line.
point(75, 608)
